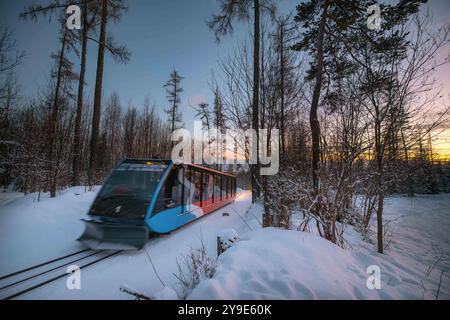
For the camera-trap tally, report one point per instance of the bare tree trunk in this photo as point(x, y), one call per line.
point(256, 190)
point(93, 161)
point(174, 108)
point(380, 208)
point(79, 113)
point(405, 153)
point(313, 119)
point(267, 217)
point(380, 165)
point(54, 120)
point(283, 150)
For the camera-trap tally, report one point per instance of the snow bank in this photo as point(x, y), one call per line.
point(280, 264)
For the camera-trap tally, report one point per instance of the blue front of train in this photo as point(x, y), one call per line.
point(123, 211)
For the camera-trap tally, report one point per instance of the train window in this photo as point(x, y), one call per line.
point(226, 186)
point(217, 188)
point(193, 188)
point(213, 182)
point(170, 195)
point(202, 188)
point(128, 191)
point(211, 187)
point(223, 187)
point(203, 181)
point(189, 185)
point(219, 178)
point(207, 189)
point(193, 184)
point(196, 179)
point(189, 188)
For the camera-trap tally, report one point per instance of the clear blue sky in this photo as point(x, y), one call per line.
point(161, 35)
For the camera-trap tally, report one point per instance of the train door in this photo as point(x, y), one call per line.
point(217, 188)
point(192, 188)
point(171, 193)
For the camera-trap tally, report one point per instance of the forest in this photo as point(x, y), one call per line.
point(353, 95)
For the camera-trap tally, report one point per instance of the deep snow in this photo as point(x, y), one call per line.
point(33, 232)
point(279, 264)
point(283, 264)
point(265, 263)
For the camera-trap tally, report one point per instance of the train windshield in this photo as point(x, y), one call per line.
point(128, 191)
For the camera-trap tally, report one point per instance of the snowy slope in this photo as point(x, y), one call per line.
point(32, 232)
point(278, 264)
point(9, 196)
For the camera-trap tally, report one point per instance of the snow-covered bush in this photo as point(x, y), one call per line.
point(226, 238)
point(194, 267)
point(283, 197)
point(292, 191)
point(366, 202)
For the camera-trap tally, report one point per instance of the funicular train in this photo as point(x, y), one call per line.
point(142, 197)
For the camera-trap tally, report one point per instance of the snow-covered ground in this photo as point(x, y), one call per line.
point(265, 263)
point(279, 264)
point(32, 232)
point(7, 197)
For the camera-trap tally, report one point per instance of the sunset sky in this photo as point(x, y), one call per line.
point(163, 35)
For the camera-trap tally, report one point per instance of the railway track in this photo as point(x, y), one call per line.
point(26, 280)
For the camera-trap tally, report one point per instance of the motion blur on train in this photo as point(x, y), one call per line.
point(144, 197)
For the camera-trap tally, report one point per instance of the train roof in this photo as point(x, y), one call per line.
point(209, 169)
point(138, 160)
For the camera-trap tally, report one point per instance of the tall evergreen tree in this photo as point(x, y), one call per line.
point(173, 90)
point(93, 161)
point(87, 25)
point(110, 9)
point(61, 73)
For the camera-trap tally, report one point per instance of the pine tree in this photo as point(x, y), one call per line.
point(110, 9)
point(173, 90)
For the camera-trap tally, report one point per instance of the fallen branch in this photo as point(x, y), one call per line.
point(139, 296)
